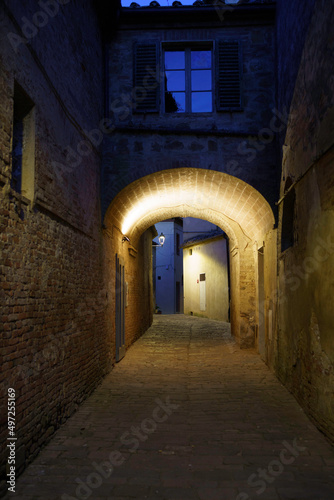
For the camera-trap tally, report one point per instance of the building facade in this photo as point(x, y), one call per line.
point(206, 276)
point(168, 267)
point(190, 112)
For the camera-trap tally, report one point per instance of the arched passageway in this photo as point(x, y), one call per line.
point(233, 205)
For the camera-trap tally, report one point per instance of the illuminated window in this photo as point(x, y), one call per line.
point(188, 81)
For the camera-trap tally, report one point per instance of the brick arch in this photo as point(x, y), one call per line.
point(218, 197)
point(232, 204)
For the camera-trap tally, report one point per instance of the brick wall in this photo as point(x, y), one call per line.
point(292, 23)
point(138, 275)
point(305, 356)
point(54, 347)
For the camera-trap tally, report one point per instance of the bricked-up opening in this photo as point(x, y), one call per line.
point(226, 201)
point(287, 238)
point(23, 144)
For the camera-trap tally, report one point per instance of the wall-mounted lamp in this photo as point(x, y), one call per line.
point(162, 239)
point(125, 238)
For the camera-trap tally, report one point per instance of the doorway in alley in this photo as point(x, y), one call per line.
point(120, 307)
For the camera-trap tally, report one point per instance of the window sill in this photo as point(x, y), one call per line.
point(208, 114)
point(19, 197)
point(230, 110)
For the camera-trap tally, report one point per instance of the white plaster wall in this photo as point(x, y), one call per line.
point(210, 258)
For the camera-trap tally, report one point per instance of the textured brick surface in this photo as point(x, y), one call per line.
point(55, 347)
point(305, 357)
point(289, 55)
point(231, 420)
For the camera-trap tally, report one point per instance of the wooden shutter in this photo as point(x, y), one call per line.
point(229, 81)
point(146, 77)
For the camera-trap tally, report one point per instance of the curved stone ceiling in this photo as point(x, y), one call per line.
point(215, 196)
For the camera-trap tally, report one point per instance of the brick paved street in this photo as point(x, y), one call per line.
point(185, 415)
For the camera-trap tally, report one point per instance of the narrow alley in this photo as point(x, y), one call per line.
point(186, 415)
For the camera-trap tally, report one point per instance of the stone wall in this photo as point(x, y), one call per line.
point(305, 347)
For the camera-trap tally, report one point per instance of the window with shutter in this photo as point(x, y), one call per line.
point(229, 81)
point(146, 77)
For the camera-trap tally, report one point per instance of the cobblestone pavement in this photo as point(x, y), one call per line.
point(185, 415)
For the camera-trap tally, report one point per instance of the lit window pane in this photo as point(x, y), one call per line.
point(201, 102)
point(201, 80)
point(175, 102)
point(200, 59)
point(175, 60)
point(175, 80)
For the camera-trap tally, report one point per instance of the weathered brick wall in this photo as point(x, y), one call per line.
point(138, 275)
point(55, 347)
point(305, 355)
point(219, 142)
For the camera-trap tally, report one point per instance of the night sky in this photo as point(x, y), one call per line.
point(126, 3)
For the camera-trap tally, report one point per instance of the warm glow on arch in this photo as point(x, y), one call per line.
point(190, 192)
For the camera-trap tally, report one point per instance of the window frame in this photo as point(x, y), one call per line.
point(187, 46)
point(227, 79)
point(23, 117)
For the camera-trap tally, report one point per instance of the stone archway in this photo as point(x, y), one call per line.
point(235, 206)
